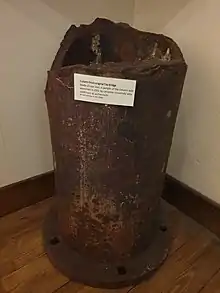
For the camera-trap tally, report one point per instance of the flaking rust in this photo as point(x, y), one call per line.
point(111, 160)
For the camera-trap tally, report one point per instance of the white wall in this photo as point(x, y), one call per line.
point(195, 155)
point(30, 33)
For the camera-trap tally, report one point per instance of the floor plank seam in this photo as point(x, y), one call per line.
point(130, 289)
point(58, 289)
point(26, 265)
point(209, 281)
point(200, 255)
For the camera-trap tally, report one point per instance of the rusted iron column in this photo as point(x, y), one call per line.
point(106, 228)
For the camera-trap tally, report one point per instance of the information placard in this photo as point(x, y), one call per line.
point(104, 90)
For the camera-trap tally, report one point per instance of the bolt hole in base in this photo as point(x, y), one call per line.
point(163, 228)
point(54, 241)
point(121, 270)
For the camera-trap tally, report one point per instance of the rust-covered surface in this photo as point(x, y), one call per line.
point(110, 161)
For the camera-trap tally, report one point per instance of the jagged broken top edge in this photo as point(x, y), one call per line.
point(72, 31)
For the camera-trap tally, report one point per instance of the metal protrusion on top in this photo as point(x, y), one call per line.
point(167, 56)
point(155, 50)
point(96, 48)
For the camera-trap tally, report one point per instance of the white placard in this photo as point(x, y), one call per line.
point(104, 90)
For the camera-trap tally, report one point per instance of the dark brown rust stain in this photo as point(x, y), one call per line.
point(111, 160)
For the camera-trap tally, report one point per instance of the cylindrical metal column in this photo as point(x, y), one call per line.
point(106, 228)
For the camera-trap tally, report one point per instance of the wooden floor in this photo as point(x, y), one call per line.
point(193, 264)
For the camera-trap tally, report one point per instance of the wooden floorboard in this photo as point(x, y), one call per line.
point(193, 265)
point(213, 286)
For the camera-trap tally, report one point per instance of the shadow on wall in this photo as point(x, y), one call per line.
point(178, 153)
point(57, 16)
point(42, 15)
point(85, 11)
point(157, 13)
